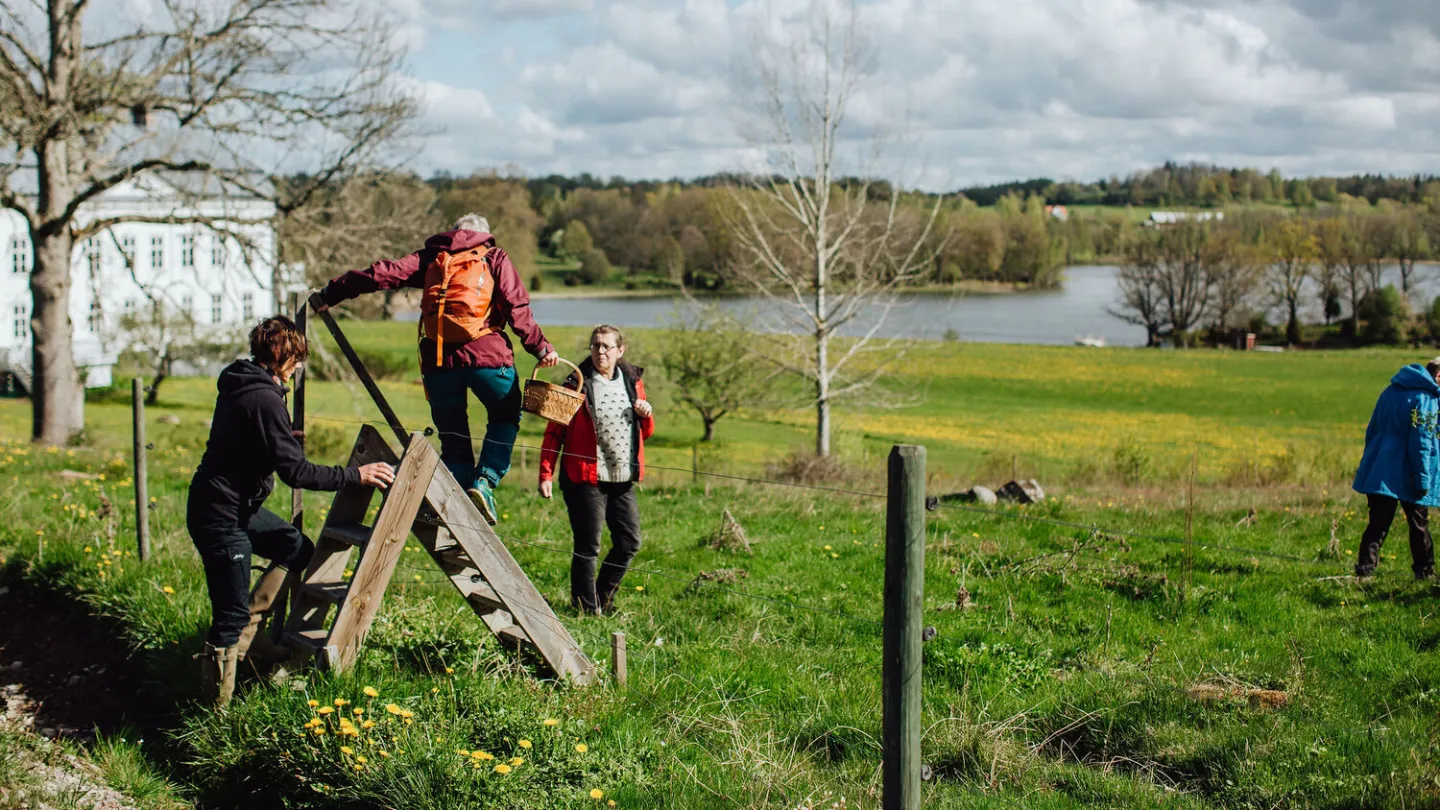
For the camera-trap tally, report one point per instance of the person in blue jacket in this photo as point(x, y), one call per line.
point(1402, 464)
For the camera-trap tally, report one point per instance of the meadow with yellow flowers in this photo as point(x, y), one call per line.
point(1084, 654)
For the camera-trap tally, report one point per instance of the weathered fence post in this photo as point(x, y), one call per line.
point(694, 463)
point(297, 420)
point(904, 612)
point(142, 488)
point(617, 657)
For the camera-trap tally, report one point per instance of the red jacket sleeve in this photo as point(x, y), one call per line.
point(647, 423)
point(516, 305)
point(382, 275)
point(550, 450)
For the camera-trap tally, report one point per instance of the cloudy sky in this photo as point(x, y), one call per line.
point(966, 91)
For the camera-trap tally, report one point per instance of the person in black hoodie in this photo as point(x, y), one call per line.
point(251, 440)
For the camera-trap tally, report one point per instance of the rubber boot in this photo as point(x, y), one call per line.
point(217, 674)
point(262, 599)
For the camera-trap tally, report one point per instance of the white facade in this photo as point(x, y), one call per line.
point(223, 278)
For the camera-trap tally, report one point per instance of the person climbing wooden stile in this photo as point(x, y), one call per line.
point(471, 293)
point(251, 440)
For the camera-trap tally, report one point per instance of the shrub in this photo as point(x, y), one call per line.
point(594, 267)
point(1385, 314)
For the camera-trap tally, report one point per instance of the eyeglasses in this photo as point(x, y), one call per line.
point(602, 347)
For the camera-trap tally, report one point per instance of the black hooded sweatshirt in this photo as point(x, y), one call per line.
point(250, 439)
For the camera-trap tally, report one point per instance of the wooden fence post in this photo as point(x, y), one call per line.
point(142, 488)
point(617, 657)
point(904, 612)
point(694, 463)
point(297, 421)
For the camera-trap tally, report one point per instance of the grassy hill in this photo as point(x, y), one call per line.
point(1084, 657)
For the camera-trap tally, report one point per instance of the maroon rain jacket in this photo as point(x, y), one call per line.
point(510, 303)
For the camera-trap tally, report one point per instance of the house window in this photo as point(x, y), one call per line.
point(187, 251)
point(129, 306)
point(96, 319)
point(217, 251)
point(127, 247)
point(92, 255)
point(19, 256)
point(215, 311)
point(157, 253)
point(187, 305)
point(247, 305)
point(22, 321)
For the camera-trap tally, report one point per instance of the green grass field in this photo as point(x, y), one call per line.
point(1083, 667)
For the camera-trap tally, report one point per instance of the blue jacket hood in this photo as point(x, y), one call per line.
point(1415, 376)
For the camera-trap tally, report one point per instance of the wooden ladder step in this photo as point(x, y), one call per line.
point(332, 592)
point(351, 534)
point(309, 638)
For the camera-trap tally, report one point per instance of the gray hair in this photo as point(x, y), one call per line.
point(472, 222)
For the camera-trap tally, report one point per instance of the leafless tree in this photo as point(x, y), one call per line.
point(826, 245)
point(1142, 301)
point(1234, 271)
point(209, 90)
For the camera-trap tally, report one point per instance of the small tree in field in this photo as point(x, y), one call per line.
point(707, 361)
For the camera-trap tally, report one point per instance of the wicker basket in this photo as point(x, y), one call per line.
point(550, 401)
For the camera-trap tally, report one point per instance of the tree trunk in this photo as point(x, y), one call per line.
point(58, 399)
point(1292, 326)
point(822, 396)
point(709, 429)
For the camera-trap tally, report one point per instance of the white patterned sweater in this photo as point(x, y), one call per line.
point(614, 426)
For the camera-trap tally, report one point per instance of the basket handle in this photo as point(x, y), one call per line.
point(578, 375)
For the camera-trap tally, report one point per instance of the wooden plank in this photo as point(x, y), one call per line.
point(479, 596)
point(351, 534)
point(525, 604)
point(311, 638)
point(332, 557)
point(332, 592)
point(377, 563)
point(360, 371)
point(297, 418)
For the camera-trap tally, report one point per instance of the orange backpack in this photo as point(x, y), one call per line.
point(456, 303)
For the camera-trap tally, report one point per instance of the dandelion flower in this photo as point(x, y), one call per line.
point(167, 589)
point(639, 587)
point(385, 754)
point(610, 803)
point(827, 548)
point(88, 549)
point(359, 767)
point(362, 760)
point(407, 714)
point(552, 722)
point(597, 793)
point(319, 732)
point(393, 709)
point(434, 690)
point(525, 744)
point(371, 691)
point(325, 710)
point(341, 701)
point(582, 748)
point(502, 768)
point(312, 703)
point(484, 756)
point(357, 711)
point(462, 752)
point(449, 670)
point(368, 724)
point(419, 578)
point(345, 749)
point(408, 721)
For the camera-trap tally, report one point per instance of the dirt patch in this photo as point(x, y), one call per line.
point(1228, 693)
point(74, 671)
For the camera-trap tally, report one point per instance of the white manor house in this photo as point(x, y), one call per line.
point(221, 278)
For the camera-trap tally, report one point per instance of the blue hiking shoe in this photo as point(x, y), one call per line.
point(483, 496)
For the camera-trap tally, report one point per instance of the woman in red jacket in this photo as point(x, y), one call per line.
point(602, 457)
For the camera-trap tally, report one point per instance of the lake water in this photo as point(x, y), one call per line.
point(1077, 308)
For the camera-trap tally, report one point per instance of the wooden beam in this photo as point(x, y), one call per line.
point(365, 378)
point(377, 563)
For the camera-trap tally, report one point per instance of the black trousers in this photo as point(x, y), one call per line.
point(225, 550)
point(1382, 513)
point(593, 507)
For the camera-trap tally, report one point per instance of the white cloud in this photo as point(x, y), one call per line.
point(985, 91)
